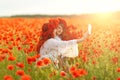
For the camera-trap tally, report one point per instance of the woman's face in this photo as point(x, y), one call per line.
point(58, 31)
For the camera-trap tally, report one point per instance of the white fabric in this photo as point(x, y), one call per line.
point(54, 47)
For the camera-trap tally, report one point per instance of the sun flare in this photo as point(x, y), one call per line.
point(101, 6)
point(60, 7)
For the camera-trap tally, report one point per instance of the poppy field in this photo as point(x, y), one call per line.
point(99, 55)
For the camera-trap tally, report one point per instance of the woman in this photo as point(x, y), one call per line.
point(51, 44)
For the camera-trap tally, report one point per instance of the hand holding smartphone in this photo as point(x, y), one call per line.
point(89, 28)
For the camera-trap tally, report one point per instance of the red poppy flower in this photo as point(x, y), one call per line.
point(10, 67)
point(62, 73)
point(72, 69)
point(37, 56)
point(118, 69)
point(11, 58)
point(115, 60)
point(40, 63)
point(30, 60)
point(118, 78)
point(8, 77)
point(20, 72)
point(10, 47)
point(20, 65)
point(75, 74)
point(19, 47)
point(2, 57)
point(82, 72)
point(46, 61)
point(26, 77)
point(84, 58)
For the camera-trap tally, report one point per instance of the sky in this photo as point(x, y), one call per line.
point(52, 7)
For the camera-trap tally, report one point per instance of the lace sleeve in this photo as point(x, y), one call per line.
point(66, 48)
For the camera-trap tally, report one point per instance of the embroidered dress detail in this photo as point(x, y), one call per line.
point(55, 47)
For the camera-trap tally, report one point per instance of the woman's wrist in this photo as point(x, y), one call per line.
point(80, 40)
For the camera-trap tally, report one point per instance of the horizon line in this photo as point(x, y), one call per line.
point(45, 14)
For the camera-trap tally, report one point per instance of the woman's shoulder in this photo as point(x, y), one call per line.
point(49, 41)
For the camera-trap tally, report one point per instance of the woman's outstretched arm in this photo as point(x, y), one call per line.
point(86, 35)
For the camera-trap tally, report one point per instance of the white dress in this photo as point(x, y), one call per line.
point(55, 47)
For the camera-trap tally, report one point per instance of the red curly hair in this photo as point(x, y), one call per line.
point(47, 30)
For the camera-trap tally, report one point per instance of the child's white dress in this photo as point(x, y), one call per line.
point(55, 47)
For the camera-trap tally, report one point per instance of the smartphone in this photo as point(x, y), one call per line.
point(89, 28)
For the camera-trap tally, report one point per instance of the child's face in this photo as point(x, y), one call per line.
point(58, 30)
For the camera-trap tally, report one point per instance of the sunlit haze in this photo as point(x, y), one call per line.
point(51, 7)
